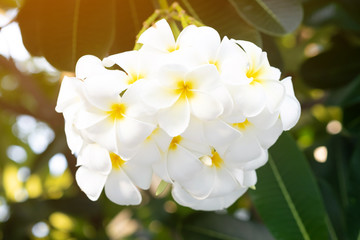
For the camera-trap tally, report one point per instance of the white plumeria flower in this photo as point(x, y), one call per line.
point(137, 64)
point(160, 38)
point(263, 89)
point(178, 93)
point(208, 48)
point(202, 178)
point(99, 168)
point(245, 142)
point(160, 42)
point(199, 111)
point(114, 118)
point(290, 109)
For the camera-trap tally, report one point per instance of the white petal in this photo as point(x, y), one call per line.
point(159, 36)
point(194, 132)
point(264, 120)
point(290, 109)
point(289, 89)
point(182, 164)
point(245, 178)
point(250, 178)
point(269, 136)
point(101, 91)
point(126, 60)
point(275, 93)
point(140, 174)
point(208, 204)
point(104, 134)
point(160, 169)
point(147, 153)
point(131, 132)
point(95, 158)
point(87, 117)
point(90, 182)
point(159, 97)
point(201, 184)
point(120, 190)
point(229, 50)
point(257, 162)
point(88, 65)
point(219, 133)
point(175, 120)
point(170, 75)
point(223, 96)
point(204, 77)
point(204, 106)
point(244, 149)
point(162, 139)
point(224, 184)
point(290, 112)
point(251, 99)
point(68, 94)
point(205, 40)
point(73, 138)
point(251, 50)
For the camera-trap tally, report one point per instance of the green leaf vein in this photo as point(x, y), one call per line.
point(288, 200)
point(75, 31)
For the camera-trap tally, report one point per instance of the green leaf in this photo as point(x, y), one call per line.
point(63, 31)
point(332, 69)
point(162, 186)
point(287, 196)
point(274, 17)
point(205, 226)
point(222, 16)
point(130, 16)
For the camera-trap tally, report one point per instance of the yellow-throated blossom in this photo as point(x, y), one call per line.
point(198, 111)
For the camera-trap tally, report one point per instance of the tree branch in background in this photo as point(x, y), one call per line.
point(45, 107)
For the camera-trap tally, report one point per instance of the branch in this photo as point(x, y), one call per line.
point(45, 107)
point(14, 108)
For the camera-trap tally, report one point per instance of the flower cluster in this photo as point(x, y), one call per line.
point(198, 111)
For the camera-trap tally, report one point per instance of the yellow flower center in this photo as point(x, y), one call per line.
point(154, 132)
point(184, 89)
point(134, 77)
point(117, 111)
point(116, 161)
point(172, 48)
point(214, 160)
point(243, 125)
point(217, 161)
point(174, 142)
point(254, 74)
point(216, 63)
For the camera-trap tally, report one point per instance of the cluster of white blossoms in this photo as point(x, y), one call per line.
point(198, 111)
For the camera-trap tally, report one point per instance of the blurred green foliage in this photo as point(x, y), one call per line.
point(316, 42)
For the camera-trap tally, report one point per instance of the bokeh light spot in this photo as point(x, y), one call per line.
point(57, 164)
point(320, 154)
point(16, 153)
point(334, 127)
point(40, 230)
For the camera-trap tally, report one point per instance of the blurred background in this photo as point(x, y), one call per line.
point(317, 42)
